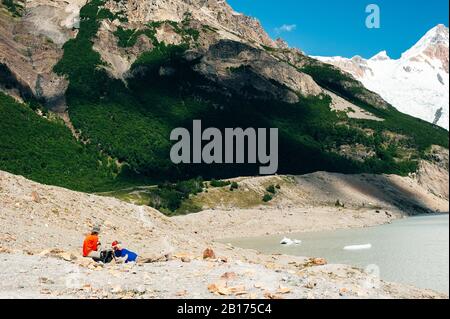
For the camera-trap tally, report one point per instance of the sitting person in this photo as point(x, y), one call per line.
point(123, 255)
point(92, 247)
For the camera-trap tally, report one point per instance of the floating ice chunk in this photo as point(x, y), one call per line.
point(358, 247)
point(288, 242)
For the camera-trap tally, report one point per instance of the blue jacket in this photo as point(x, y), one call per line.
point(122, 253)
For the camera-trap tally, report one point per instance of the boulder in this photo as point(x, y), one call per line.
point(218, 289)
point(35, 197)
point(209, 254)
point(319, 261)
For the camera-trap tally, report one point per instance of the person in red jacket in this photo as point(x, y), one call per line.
point(92, 245)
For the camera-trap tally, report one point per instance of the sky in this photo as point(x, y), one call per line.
point(338, 27)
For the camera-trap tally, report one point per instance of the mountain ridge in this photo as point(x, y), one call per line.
point(417, 83)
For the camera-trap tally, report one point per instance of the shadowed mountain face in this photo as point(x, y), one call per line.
point(128, 72)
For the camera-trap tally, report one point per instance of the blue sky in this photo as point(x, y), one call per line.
point(337, 27)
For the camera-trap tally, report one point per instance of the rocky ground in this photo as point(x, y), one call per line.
point(24, 276)
point(42, 229)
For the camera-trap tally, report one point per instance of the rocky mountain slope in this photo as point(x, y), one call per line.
point(31, 44)
point(416, 84)
point(123, 74)
point(214, 21)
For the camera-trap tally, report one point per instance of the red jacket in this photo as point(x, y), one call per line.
point(90, 244)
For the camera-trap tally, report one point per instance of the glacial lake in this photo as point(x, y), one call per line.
point(413, 250)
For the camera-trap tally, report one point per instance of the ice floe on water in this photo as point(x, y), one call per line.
point(288, 242)
point(358, 247)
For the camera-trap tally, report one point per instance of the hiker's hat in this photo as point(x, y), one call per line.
point(115, 243)
point(96, 229)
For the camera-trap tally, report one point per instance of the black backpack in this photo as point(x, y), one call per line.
point(106, 256)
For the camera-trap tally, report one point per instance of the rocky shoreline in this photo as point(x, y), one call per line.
point(42, 228)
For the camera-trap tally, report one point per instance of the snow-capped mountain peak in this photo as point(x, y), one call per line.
point(416, 84)
point(436, 36)
point(380, 56)
point(433, 45)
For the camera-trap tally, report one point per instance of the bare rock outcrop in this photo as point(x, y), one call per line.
point(118, 60)
point(56, 20)
point(237, 66)
point(31, 45)
point(214, 13)
point(433, 172)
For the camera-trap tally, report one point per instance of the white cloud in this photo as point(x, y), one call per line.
point(286, 28)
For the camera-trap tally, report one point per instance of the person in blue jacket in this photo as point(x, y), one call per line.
point(123, 255)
